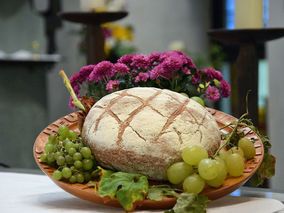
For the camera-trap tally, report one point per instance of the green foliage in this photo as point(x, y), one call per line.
point(157, 192)
point(127, 188)
point(190, 203)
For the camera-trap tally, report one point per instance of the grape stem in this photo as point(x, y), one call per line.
point(67, 84)
point(236, 124)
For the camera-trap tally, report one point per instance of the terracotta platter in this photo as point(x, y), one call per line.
point(86, 193)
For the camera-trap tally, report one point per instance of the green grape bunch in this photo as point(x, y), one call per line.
point(67, 153)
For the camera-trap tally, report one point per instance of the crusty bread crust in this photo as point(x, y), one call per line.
point(143, 130)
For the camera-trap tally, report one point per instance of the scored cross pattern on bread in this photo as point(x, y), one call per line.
point(143, 130)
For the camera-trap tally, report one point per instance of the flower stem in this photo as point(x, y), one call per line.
point(67, 84)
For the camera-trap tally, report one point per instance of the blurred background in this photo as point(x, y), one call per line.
point(36, 42)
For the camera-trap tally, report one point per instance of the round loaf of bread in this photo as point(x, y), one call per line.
point(143, 130)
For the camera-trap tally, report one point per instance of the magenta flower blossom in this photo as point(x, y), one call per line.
point(86, 70)
point(212, 93)
point(142, 76)
point(121, 68)
point(112, 85)
point(196, 77)
point(126, 59)
point(225, 89)
point(101, 71)
point(186, 71)
point(74, 79)
point(156, 72)
point(212, 74)
point(140, 61)
point(172, 63)
point(154, 57)
point(82, 75)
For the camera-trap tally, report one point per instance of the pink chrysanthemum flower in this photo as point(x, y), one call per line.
point(156, 72)
point(101, 71)
point(82, 75)
point(140, 61)
point(142, 76)
point(195, 78)
point(212, 93)
point(154, 58)
point(186, 71)
point(172, 63)
point(126, 59)
point(121, 68)
point(112, 85)
point(225, 89)
point(212, 74)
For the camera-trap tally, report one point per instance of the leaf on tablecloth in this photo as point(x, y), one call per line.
point(190, 203)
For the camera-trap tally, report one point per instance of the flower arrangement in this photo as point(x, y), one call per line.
point(167, 70)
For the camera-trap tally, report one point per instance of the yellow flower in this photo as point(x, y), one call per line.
point(107, 49)
point(122, 33)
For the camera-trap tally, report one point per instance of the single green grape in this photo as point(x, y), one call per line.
point(80, 178)
point(178, 172)
point(73, 179)
point(193, 184)
point(76, 146)
point(194, 154)
point(223, 154)
point(184, 94)
point(60, 161)
point(77, 156)
point(63, 131)
point(68, 144)
point(237, 150)
point(78, 164)
point(207, 169)
point(69, 159)
point(49, 148)
point(57, 175)
point(43, 157)
point(66, 172)
point(87, 164)
point(198, 100)
point(86, 152)
point(235, 164)
point(52, 139)
point(57, 154)
point(71, 151)
point(50, 158)
point(248, 147)
point(222, 174)
point(72, 135)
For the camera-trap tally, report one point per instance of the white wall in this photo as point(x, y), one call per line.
point(276, 90)
point(159, 22)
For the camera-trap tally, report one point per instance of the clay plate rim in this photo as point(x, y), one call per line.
point(86, 193)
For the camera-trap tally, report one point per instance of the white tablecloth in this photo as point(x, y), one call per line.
point(37, 193)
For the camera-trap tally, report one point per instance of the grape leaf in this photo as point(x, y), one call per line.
point(157, 192)
point(190, 203)
point(127, 188)
point(266, 170)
